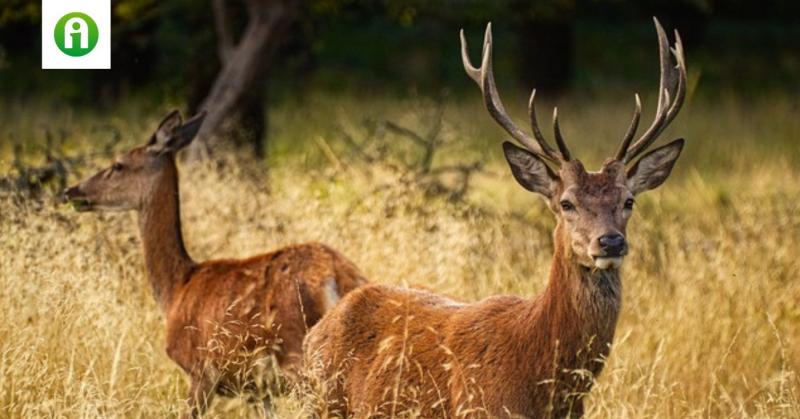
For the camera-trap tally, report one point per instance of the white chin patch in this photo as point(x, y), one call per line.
point(607, 263)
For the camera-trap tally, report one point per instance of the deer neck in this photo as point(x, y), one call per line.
point(166, 259)
point(578, 311)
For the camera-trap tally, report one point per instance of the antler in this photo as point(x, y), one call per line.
point(484, 77)
point(672, 84)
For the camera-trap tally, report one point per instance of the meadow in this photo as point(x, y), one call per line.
point(710, 325)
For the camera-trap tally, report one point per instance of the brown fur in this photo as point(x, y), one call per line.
point(386, 350)
point(226, 319)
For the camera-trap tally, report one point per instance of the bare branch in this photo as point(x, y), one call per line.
point(405, 132)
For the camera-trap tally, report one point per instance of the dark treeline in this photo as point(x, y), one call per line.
point(184, 50)
point(170, 46)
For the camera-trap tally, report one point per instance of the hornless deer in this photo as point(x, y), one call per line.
point(226, 319)
point(385, 350)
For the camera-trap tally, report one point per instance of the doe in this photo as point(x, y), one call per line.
point(385, 350)
point(227, 320)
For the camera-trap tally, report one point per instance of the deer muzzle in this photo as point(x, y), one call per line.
point(611, 249)
point(76, 198)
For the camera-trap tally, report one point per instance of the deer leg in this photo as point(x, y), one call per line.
point(201, 392)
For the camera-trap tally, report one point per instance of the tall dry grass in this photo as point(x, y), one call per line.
point(710, 325)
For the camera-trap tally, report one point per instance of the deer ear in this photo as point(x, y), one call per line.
point(165, 128)
point(654, 167)
point(172, 134)
point(184, 134)
point(529, 170)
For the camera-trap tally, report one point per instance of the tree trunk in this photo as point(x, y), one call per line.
point(242, 65)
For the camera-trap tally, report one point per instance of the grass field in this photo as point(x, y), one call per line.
point(710, 325)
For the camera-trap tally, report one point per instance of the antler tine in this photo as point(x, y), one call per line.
point(680, 68)
point(626, 141)
point(537, 133)
point(484, 77)
point(472, 72)
point(671, 83)
point(562, 146)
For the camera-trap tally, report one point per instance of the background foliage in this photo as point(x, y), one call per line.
point(166, 50)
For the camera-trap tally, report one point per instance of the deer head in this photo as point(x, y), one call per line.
point(133, 178)
point(592, 208)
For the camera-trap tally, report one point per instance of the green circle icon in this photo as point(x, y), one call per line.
point(76, 34)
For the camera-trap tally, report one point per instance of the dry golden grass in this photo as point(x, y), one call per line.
point(710, 325)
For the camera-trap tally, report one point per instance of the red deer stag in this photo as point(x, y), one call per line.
point(385, 350)
point(226, 319)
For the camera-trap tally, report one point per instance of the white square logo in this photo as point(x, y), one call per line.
point(76, 34)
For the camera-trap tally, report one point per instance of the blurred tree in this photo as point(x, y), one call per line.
point(236, 87)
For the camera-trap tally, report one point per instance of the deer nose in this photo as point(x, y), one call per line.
point(71, 193)
point(613, 245)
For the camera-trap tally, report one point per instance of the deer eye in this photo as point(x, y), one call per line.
point(567, 206)
point(116, 167)
point(629, 204)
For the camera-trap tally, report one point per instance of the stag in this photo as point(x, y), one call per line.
point(232, 325)
point(385, 349)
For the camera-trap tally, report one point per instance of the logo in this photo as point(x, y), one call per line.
point(76, 34)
